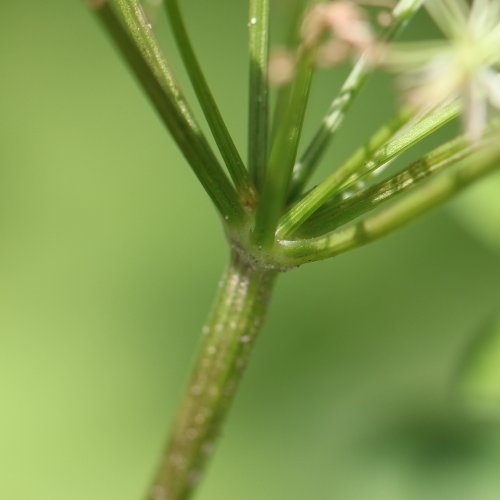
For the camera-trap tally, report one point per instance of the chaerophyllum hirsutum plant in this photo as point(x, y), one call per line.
point(273, 219)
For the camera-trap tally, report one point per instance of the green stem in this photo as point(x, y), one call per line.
point(284, 151)
point(292, 39)
point(402, 14)
point(207, 102)
point(435, 192)
point(367, 151)
point(258, 113)
point(132, 34)
point(229, 336)
point(356, 167)
point(335, 214)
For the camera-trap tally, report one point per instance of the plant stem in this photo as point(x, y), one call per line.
point(258, 112)
point(284, 151)
point(356, 167)
point(399, 213)
point(337, 213)
point(303, 169)
point(366, 152)
point(292, 40)
point(133, 36)
point(228, 339)
point(221, 134)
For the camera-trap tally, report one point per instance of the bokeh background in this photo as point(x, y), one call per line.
point(110, 253)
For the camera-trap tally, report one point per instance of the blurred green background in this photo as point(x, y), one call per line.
point(110, 253)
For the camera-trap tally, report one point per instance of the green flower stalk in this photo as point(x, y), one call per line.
point(272, 220)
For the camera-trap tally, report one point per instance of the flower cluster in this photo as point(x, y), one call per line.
point(465, 65)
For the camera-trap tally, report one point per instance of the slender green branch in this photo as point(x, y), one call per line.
point(284, 151)
point(402, 14)
point(131, 33)
point(379, 138)
point(207, 102)
point(229, 336)
point(283, 92)
point(412, 134)
point(414, 204)
point(258, 113)
point(335, 214)
point(356, 167)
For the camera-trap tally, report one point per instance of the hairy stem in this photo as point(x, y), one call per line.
point(229, 336)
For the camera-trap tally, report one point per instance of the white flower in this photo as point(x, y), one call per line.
point(464, 66)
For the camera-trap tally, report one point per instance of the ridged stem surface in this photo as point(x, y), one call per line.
point(228, 338)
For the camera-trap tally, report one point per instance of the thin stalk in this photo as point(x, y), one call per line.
point(284, 151)
point(222, 137)
point(229, 336)
point(283, 92)
point(366, 152)
point(132, 35)
point(435, 192)
point(355, 168)
point(258, 112)
point(305, 167)
point(335, 214)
